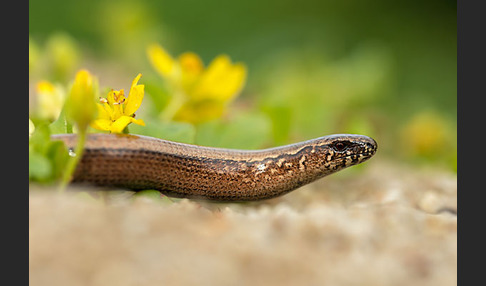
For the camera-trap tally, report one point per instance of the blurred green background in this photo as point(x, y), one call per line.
point(386, 69)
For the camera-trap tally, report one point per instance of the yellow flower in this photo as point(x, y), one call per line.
point(116, 111)
point(161, 60)
point(199, 94)
point(50, 99)
point(80, 105)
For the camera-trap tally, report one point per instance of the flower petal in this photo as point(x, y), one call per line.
point(104, 111)
point(221, 81)
point(135, 81)
point(101, 124)
point(135, 97)
point(161, 60)
point(232, 84)
point(191, 63)
point(134, 100)
point(137, 121)
point(191, 68)
point(120, 124)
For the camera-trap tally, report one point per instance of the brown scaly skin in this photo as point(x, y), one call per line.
point(182, 170)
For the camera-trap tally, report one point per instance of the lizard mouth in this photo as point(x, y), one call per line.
point(355, 158)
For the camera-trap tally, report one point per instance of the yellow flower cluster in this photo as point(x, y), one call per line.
point(198, 93)
point(112, 113)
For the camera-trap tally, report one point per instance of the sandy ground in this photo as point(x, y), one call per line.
point(378, 225)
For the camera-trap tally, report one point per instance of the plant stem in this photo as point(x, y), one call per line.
point(73, 160)
point(176, 102)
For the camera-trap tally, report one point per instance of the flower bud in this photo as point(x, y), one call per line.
point(81, 105)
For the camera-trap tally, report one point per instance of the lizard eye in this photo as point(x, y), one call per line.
point(340, 146)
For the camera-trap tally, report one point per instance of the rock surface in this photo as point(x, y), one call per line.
point(378, 225)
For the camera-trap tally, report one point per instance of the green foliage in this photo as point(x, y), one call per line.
point(56, 59)
point(152, 195)
point(168, 130)
point(244, 131)
point(61, 125)
point(157, 95)
point(47, 158)
point(280, 117)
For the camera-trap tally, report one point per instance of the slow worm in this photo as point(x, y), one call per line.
point(182, 170)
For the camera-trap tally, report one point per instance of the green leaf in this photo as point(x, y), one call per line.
point(47, 158)
point(59, 155)
point(39, 167)
point(153, 195)
point(61, 125)
point(40, 139)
